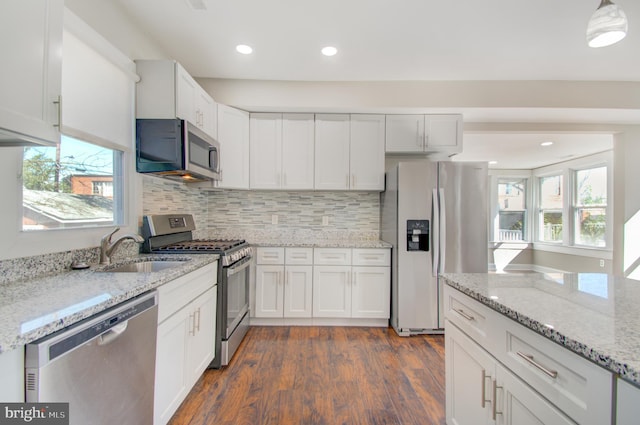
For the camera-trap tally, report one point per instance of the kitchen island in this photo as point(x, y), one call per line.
point(550, 330)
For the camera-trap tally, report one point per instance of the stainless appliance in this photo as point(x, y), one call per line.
point(172, 234)
point(435, 216)
point(176, 149)
point(104, 366)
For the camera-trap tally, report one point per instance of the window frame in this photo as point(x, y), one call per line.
point(568, 170)
point(540, 211)
point(495, 176)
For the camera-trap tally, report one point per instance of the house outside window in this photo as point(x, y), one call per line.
point(590, 208)
point(75, 184)
point(512, 210)
point(550, 216)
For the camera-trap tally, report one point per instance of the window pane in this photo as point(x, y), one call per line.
point(551, 192)
point(512, 225)
point(591, 186)
point(591, 226)
point(551, 226)
point(70, 185)
point(511, 194)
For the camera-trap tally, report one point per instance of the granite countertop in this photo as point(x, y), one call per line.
point(594, 315)
point(320, 243)
point(33, 308)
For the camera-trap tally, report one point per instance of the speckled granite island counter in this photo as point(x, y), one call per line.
point(33, 308)
point(594, 315)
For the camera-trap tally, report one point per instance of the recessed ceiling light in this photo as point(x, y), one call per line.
point(329, 51)
point(244, 49)
point(546, 143)
point(493, 162)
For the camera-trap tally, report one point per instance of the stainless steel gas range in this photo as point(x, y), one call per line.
point(172, 233)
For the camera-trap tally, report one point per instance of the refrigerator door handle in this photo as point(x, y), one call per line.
point(435, 232)
point(442, 230)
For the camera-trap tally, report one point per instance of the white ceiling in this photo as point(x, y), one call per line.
point(390, 39)
point(407, 40)
point(523, 151)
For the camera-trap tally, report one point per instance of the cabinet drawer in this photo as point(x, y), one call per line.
point(371, 257)
point(468, 314)
point(332, 256)
point(174, 295)
point(270, 256)
point(298, 256)
point(578, 387)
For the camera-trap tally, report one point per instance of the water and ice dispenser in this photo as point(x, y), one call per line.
point(417, 235)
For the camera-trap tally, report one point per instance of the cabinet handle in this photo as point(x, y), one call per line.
point(529, 359)
point(192, 325)
point(197, 326)
point(287, 278)
point(464, 314)
point(494, 411)
point(419, 141)
point(484, 389)
point(59, 103)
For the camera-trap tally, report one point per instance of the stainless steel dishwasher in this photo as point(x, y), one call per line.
point(104, 366)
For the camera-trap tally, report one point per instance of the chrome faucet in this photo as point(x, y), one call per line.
point(107, 247)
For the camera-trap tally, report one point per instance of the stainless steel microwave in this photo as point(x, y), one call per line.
point(176, 149)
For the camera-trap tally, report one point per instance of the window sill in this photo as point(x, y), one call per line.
point(510, 245)
point(603, 253)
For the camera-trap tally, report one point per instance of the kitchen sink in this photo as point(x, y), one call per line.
point(143, 267)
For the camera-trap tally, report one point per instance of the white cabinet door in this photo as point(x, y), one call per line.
point(469, 373)
point(202, 332)
point(519, 404)
point(371, 296)
point(269, 291)
point(12, 372)
point(30, 45)
point(265, 151)
point(297, 151)
point(332, 291)
point(443, 133)
point(404, 133)
point(367, 152)
point(172, 374)
point(332, 152)
point(206, 114)
point(186, 89)
point(298, 289)
point(627, 403)
point(233, 135)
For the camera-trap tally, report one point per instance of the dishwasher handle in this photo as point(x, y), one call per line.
point(112, 334)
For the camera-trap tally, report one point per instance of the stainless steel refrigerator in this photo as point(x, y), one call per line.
point(435, 216)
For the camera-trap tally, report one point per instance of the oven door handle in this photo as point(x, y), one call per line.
point(244, 263)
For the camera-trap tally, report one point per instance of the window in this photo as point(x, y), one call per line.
point(512, 210)
point(590, 206)
point(550, 212)
point(75, 184)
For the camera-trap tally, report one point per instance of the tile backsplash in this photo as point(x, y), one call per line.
point(255, 211)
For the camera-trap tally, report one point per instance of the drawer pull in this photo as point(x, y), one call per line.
point(495, 412)
point(529, 359)
point(484, 392)
point(464, 314)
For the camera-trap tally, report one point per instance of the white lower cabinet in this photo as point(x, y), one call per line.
point(186, 338)
point(370, 292)
point(627, 403)
point(332, 291)
point(283, 290)
point(481, 391)
point(505, 373)
point(12, 372)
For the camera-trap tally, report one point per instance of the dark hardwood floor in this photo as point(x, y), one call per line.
point(323, 375)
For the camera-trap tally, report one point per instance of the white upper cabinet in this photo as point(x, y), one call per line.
point(332, 152)
point(30, 87)
point(367, 152)
point(440, 134)
point(166, 90)
point(233, 135)
point(281, 151)
point(349, 153)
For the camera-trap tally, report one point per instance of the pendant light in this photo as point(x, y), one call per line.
point(607, 25)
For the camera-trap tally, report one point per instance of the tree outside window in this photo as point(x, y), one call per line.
point(551, 204)
point(591, 206)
